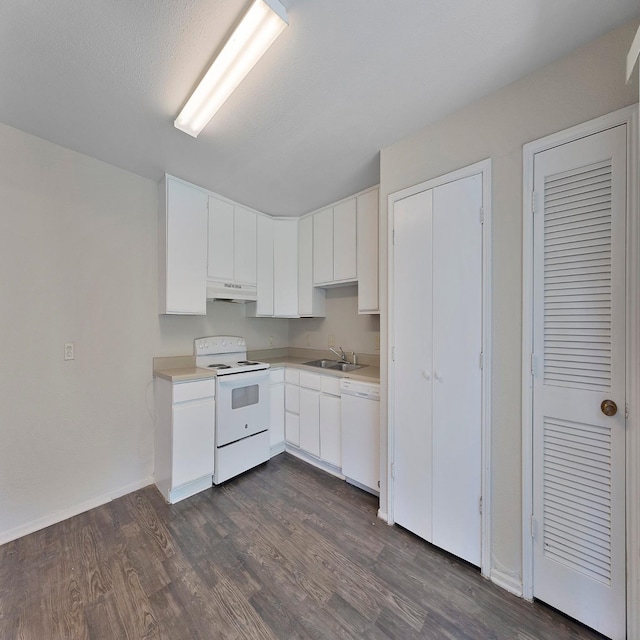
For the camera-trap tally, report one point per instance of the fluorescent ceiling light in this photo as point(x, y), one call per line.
point(261, 25)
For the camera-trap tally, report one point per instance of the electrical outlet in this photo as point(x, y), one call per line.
point(308, 339)
point(271, 341)
point(332, 340)
point(377, 342)
point(69, 351)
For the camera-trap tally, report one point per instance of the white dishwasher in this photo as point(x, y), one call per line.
point(360, 409)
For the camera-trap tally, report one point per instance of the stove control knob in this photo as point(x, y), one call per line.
point(224, 343)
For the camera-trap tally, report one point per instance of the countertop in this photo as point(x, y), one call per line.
point(184, 374)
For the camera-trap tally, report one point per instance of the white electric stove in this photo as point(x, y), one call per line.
point(242, 405)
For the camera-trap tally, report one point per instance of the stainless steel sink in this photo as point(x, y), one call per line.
point(323, 364)
point(335, 365)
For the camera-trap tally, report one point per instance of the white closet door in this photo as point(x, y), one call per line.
point(457, 379)
point(579, 344)
point(413, 357)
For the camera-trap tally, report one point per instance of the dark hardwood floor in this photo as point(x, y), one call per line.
point(284, 551)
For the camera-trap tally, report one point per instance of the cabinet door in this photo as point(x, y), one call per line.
point(276, 426)
point(193, 449)
point(244, 245)
point(220, 253)
point(285, 268)
point(367, 252)
point(292, 398)
point(305, 266)
point(183, 233)
point(310, 421)
point(264, 305)
point(323, 246)
point(344, 240)
point(330, 432)
point(292, 428)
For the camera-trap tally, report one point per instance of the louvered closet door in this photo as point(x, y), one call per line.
point(579, 362)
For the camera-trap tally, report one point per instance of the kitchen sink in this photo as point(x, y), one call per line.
point(335, 365)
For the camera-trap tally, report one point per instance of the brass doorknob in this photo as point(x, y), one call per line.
point(609, 408)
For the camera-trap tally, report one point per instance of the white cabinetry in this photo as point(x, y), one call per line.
point(367, 240)
point(311, 300)
point(310, 413)
point(232, 243)
point(292, 407)
point(285, 267)
point(276, 398)
point(182, 248)
point(265, 270)
point(334, 244)
point(330, 421)
point(184, 437)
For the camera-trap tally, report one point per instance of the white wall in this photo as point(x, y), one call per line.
point(78, 258)
point(582, 86)
point(353, 332)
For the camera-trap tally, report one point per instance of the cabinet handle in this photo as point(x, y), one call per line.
point(426, 374)
point(438, 376)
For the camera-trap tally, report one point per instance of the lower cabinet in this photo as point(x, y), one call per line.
point(276, 399)
point(330, 429)
point(312, 416)
point(184, 437)
point(310, 413)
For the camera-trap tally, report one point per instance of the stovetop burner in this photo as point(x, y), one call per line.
point(218, 366)
point(246, 362)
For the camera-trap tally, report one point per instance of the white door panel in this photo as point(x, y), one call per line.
point(579, 346)
point(457, 386)
point(413, 362)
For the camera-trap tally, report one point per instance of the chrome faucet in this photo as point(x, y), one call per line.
point(342, 355)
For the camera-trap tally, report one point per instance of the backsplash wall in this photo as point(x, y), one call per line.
point(353, 332)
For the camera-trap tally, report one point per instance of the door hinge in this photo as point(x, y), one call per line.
point(393, 354)
point(393, 237)
point(532, 526)
point(482, 360)
point(626, 410)
point(534, 201)
point(533, 365)
point(480, 505)
point(481, 215)
point(393, 470)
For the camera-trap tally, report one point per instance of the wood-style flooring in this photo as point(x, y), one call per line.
point(284, 551)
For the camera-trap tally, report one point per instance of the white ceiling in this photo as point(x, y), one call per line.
point(347, 78)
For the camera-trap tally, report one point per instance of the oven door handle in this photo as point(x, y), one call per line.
point(233, 379)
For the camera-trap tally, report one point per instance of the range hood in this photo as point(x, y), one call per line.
point(231, 291)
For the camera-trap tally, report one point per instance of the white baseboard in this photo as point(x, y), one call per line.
point(510, 583)
point(316, 462)
point(277, 449)
point(69, 512)
point(384, 516)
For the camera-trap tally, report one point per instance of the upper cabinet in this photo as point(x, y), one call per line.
point(210, 244)
point(182, 248)
point(232, 243)
point(311, 300)
point(367, 240)
point(334, 244)
point(285, 267)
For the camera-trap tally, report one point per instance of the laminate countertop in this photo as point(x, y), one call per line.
point(368, 373)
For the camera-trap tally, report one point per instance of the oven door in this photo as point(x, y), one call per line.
point(242, 406)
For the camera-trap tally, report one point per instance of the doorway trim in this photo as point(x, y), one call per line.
point(629, 117)
point(483, 167)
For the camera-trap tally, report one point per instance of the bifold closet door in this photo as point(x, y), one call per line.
point(437, 339)
point(412, 345)
point(457, 376)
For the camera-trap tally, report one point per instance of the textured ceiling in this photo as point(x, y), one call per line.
point(347, 78)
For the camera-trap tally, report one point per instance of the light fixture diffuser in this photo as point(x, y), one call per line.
point(264, 21)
